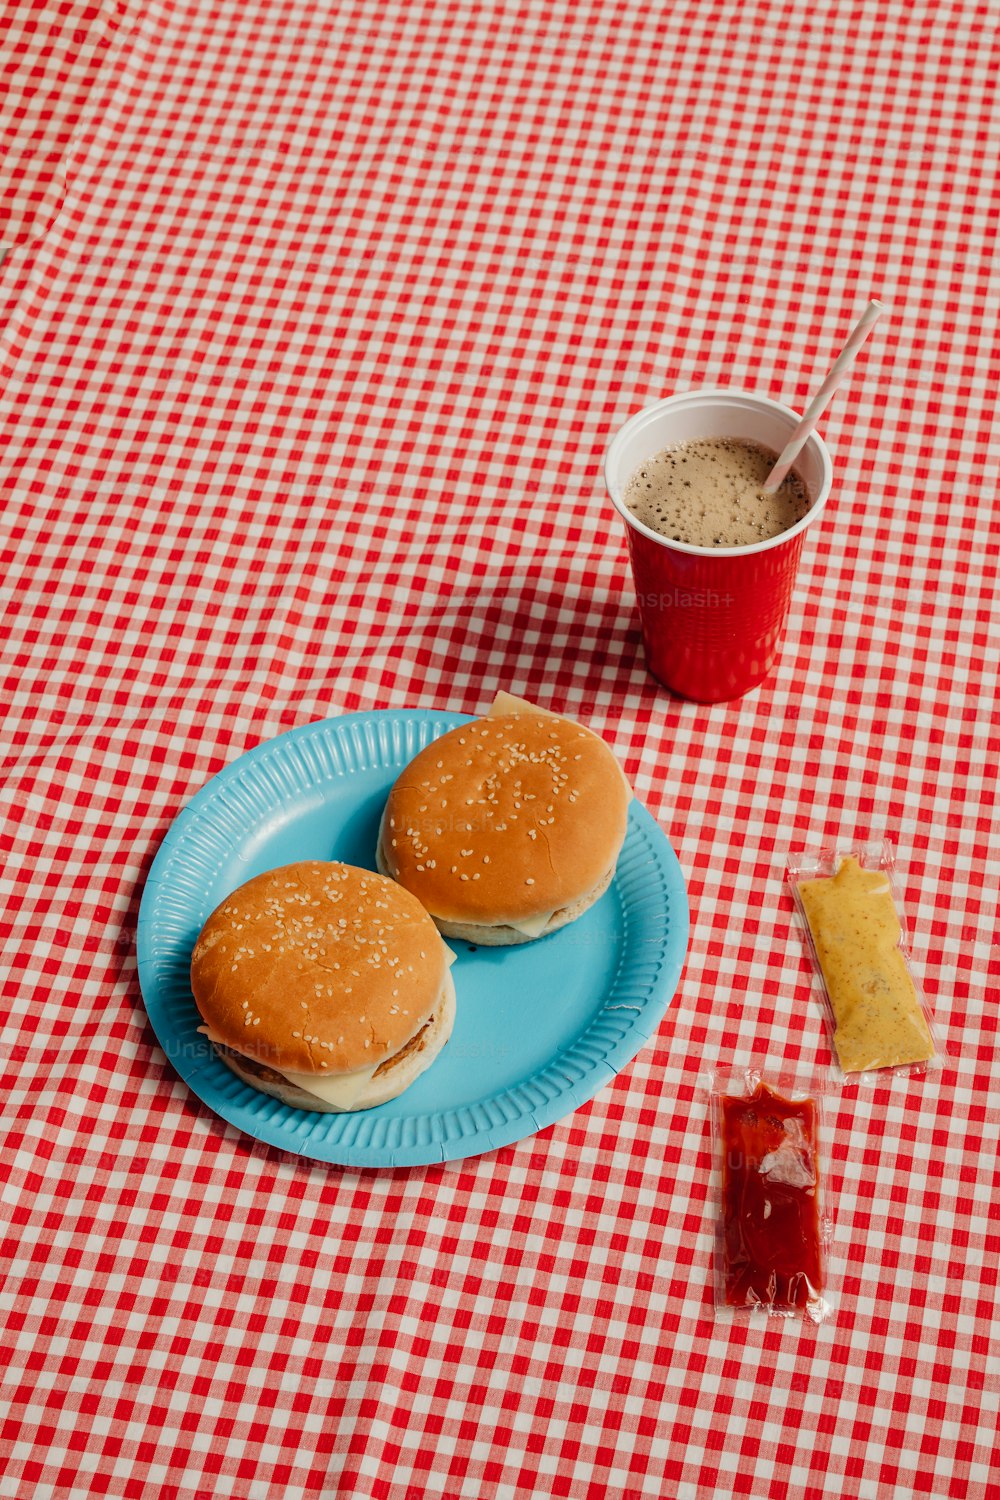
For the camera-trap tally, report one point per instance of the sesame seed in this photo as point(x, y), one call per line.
point(529, 881)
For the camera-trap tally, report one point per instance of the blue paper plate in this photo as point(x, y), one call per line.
point(540, 1028)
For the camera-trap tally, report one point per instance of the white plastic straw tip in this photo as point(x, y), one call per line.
point(819, 403)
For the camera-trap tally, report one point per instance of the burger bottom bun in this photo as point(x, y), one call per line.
point(498, 934)
point(395, 1074)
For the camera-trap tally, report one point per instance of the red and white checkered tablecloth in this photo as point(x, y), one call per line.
point(318, 320)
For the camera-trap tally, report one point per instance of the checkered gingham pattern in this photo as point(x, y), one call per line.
point(319, 317)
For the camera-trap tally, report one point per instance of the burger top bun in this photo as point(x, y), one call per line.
point(506, 820)
point(318, 968)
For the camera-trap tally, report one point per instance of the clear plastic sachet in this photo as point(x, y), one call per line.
point(773, 1230)
point(877, 1017)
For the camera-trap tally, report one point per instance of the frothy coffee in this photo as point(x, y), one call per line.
point(708, 493)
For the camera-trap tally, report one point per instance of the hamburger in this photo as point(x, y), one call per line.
point(325, 986)
point(507, 828)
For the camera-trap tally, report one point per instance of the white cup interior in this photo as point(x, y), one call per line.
point(711, 414)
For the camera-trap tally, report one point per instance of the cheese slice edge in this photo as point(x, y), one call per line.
point(341, 1089)
point(505, 704)
point(532, 927)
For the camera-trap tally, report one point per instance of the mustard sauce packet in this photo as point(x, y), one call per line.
point(877, 1017)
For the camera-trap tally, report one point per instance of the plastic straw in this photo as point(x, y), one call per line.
point(820, 401)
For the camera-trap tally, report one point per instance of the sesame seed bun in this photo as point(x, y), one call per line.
point(507, 828)
point(324, 985)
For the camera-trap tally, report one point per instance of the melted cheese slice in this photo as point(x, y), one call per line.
point(505, 703)
point(532, 927)
point(343, 1090)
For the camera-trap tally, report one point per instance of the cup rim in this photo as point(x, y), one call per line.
point(750, 548)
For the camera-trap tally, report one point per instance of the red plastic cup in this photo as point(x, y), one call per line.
point(712, 617)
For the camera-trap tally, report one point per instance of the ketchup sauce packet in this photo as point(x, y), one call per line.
point(773, 1232)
